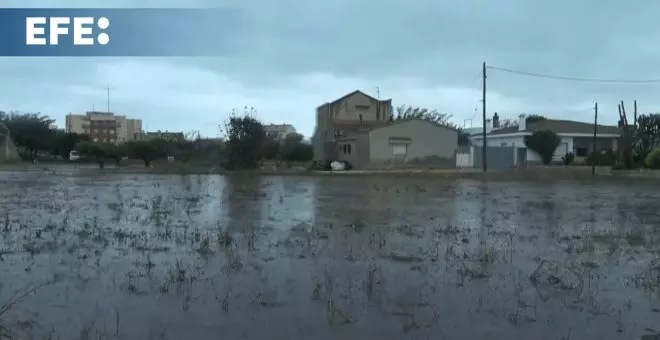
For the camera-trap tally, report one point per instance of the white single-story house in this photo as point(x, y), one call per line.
point(576, 137)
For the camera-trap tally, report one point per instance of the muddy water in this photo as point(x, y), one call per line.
point(211, 257)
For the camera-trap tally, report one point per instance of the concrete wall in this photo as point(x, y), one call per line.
point(465, 157)
point(8, 151)
point(497, 157)
point(429, 145)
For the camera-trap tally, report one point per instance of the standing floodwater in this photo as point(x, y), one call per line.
point(212, 257)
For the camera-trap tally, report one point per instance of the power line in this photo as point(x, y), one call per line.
point(476, 76)
point(589, 80)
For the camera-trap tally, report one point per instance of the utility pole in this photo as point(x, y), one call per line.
point(593, 163)
point(108, 98)
point(377, 104)
point(483, 112)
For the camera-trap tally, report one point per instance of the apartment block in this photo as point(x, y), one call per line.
point(105, 126)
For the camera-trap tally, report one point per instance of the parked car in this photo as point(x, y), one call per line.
point(75, 155)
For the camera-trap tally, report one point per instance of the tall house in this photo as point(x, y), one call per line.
point(105, 126)
point(349, 115)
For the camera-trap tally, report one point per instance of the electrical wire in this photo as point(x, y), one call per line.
point(589, 80)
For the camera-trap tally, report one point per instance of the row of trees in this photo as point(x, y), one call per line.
point(33, 133)
point(245, 147)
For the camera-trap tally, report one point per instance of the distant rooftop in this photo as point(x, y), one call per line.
point(99, 113)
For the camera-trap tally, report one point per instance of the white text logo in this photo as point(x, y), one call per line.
point(82, 29)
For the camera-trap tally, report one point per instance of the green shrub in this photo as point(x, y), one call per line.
point(652, 159)
point(602, 158)
point(568, 158)
point(544, 143)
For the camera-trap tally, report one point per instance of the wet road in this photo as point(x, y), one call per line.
point(212, 257)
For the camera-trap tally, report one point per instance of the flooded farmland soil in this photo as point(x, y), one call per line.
point(212, 257)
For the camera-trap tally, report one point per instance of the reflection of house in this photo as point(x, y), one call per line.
point(105, 126)
point(8, 151)
point(349, 115)
point(166, 135)
point(279, 131)
point(406, 143)
point(576, 137)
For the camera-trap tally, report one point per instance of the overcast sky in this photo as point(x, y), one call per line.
point(303, 53)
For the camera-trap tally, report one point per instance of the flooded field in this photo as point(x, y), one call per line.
point(212, 257)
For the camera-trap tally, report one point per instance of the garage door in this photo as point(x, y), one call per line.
point(399, 150)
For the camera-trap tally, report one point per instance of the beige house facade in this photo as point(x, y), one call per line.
point(345, 117)
point(105, 126)
point(408, 143)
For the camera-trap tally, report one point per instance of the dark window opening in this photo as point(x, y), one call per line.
point(581, 152)
point(346, 148)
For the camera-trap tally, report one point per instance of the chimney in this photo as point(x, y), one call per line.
point(522, 123)
point(496, 121)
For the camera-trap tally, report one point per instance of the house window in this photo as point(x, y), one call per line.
point(362, 107)
point(347, 148)
point(503, 144)
point(339, 132)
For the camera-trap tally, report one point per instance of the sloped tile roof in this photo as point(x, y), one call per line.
point(559, 126)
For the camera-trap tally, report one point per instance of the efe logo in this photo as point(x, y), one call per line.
point(82, 30)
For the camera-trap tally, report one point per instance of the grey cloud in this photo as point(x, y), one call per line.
point(422, 52)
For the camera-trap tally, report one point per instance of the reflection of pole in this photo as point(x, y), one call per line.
point(483, 112)
point(593, 163)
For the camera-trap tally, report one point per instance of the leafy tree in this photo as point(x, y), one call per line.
point(648, 131)
point(409, 112)
point(544, 143)
point(508, 122)
point(534, 118)
point(98, 151)
point(271, 148)
point(30, 132)
point(652, 160)
point(511, 122)
point(148, 150)
point(294, 148)
point(185, 146)
point(117, 152)
point(65, 142)
point(463, 137)
point(245, 139)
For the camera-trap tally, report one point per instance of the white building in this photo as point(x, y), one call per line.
point(576, 137)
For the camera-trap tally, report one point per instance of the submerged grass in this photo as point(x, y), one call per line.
point(343, 255)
